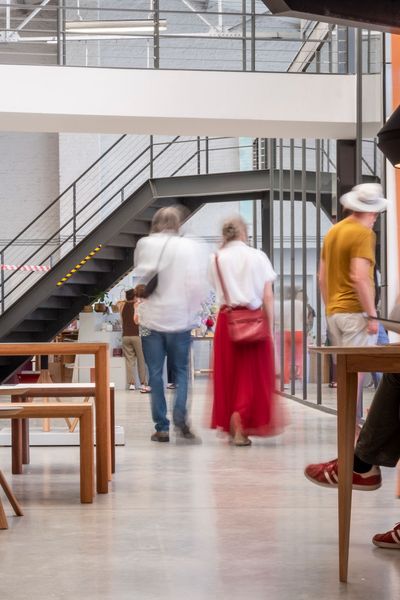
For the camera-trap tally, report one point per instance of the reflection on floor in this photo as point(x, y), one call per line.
point(328, 395)
point(198, 522)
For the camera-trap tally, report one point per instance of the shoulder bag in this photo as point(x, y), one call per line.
point(245, 326)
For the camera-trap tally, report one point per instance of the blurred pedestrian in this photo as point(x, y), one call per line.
point(174, 271)
point(244, 376)
point(293, 299)
point(132, 344)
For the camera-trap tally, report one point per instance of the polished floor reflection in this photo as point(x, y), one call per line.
point(201, 522)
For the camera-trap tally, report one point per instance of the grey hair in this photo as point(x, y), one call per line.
point(233, 228)
point(166, 219)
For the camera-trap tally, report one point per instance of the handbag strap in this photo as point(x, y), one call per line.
point(162, 252)
point(222, 282)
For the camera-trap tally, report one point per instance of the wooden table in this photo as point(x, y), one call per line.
point(102, 394)
point(350, 362)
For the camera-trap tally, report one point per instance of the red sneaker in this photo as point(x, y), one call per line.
point(326, 475)
point(390, 539)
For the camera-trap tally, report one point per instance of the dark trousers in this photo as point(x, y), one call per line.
point(379, 440)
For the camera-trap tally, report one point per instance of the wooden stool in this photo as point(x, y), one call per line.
point(39, 411)
point(27, 392)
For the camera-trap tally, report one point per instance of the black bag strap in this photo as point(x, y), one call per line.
point(222, 282)
point(162, 252)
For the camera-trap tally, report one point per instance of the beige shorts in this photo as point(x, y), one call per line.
point(349, 329)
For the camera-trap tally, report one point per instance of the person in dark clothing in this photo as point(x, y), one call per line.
point(378, 445)
point(132, 344)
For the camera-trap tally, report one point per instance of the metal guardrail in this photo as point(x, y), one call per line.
point(238, 36)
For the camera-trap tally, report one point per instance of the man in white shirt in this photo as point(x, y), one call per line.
point(169, 313)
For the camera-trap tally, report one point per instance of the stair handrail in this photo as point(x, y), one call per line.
point(68, 238)
point(56, 233)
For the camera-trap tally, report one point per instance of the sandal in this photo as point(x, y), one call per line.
point(333, 384)
point(241, 440)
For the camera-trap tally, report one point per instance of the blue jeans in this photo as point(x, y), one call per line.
point(175, 347)
point(382, 340)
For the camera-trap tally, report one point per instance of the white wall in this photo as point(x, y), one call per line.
point(182, 102)
point(29, 181)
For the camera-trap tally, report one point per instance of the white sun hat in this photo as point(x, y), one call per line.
point(366, 197)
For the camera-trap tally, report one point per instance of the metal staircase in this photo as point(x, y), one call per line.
point(103, 214)
point(86, 237)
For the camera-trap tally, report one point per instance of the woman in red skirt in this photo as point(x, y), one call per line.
point(244, 377)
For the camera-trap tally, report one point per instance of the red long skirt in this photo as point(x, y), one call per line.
point(244, 381)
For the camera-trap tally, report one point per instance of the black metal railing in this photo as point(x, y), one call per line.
point(243, 36)
point(101, 188)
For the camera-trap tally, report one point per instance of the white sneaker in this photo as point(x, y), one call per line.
point(132, 387)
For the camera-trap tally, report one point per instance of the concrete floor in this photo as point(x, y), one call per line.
point(199, 522)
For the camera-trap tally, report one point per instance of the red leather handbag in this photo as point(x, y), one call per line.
point(245, 326)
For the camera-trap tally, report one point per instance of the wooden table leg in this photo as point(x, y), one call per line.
point(346, 406)
point(26, 458)
point(16, 446)
point(3, 518)
point(10, 495)
point(86, 457)
point(25, 448)
point(103, 429)
point(112, 422)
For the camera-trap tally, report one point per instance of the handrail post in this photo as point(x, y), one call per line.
point(74, 214)
point(151, 156)
point(2, 280)
point(244, 37)
point(207, 156)
point(253, 36)
point(61, 45)
point(198, 156)
point(156, 34)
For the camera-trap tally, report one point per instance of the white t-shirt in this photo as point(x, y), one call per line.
point(174, 304)
point(245, 271)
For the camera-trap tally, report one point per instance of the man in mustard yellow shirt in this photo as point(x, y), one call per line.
point(347, 269)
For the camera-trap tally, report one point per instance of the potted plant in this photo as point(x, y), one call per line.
point(88, 308)
point(101, 302)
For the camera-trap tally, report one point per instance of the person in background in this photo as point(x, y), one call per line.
point(297, 303)
point(169, 314)
point(171, 377)
point(244, 402)
point(346, 273)
point(132, 344)
point(378, 445)
point(383, 338)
